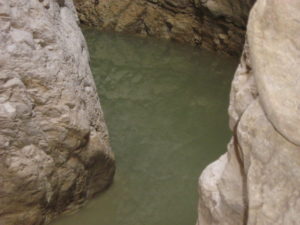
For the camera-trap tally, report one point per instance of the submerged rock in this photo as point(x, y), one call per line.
point(54, 148)
point(257, 180)
point(211, 24)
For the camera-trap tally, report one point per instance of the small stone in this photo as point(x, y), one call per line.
point(223, 36)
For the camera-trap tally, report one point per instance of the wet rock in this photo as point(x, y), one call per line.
point(54, 148)
point(257, 180)
point(195, 22)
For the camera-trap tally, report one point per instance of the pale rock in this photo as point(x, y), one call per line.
point(54, 148)
point(259, 183)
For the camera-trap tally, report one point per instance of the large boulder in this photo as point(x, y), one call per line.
point(211, 24)
point(54, 149)
point(257, 181)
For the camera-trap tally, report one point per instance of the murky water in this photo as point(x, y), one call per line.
point(166, 109)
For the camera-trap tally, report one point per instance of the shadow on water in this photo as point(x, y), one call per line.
point(165, 105)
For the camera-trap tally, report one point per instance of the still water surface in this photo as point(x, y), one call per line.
point(165, 106)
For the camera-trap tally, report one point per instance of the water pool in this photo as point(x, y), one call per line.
point(165, 105)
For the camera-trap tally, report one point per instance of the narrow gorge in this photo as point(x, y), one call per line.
point(164, 72)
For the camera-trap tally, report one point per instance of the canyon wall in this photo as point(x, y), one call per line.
point(212, 24)
point(54, 148)
point(257, 181)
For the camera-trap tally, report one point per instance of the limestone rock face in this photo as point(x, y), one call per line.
point(257, 181)
point(200, 23)
point(54, 149)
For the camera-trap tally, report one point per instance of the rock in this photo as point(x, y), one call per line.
point(236, 11)
point(195, 22)
point(54, 147)
point(257, 180)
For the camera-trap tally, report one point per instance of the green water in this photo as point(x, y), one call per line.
point(166, 109)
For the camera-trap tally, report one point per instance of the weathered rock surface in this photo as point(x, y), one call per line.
point(234, 11)
point(212, 24)
point(257, 181)
point(54, 150)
